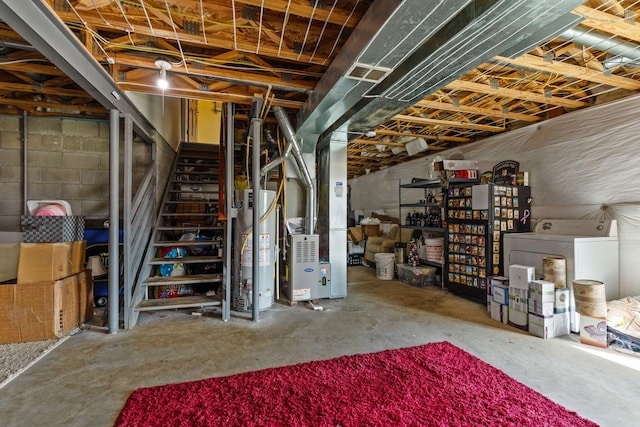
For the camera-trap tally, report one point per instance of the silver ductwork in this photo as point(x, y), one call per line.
point(294, 148)
point(402, 51)
point(625, 53)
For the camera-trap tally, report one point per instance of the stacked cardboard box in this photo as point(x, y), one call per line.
point(52, 294)
point(519, 278)
point(498, 298)
point(541, 300)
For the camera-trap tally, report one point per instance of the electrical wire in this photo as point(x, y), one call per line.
point(284, 25)
point(260, 27)
point(144, 9)
point(306, 34)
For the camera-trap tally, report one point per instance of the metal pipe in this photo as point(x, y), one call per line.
point(276, 162)
point(114, 221)
point(256, 131)
point(25, 174)
point(628, 52)
point(289, 134)
point(228, 172)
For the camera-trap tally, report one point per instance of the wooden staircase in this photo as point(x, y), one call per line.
point(189, 237)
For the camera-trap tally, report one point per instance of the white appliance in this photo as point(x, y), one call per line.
point(590, 248)
point(304, 273)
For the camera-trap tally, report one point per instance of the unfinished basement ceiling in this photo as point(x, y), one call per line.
point(229, 50)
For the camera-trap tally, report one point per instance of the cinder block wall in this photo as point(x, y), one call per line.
point(67, 159)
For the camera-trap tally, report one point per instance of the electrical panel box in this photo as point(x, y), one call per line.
point(324, 280)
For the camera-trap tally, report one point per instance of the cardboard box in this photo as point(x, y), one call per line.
point(38, 311)
point(85, 296)
point(541, 297)
point(9, 253)
point(500, 294)
point(78, 255)
point(353, 248)
point(518, 319)
point(499, 312)
point(498, 280)
point(593, 331)
point(454, 165)
point(561, 302)
point(44, 262)
point(541, 326)
point(561, 324)
point(52, 229)
point(520, 276)
point(519, 299)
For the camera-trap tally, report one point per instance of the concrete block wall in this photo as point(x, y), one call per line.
point(67, 159)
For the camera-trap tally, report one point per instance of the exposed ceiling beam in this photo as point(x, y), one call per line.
point(574, 71)
point(419, 135)
point(27, 104)
point(487, 112)
point(39, 26)
point(202, 95)
point(447, 123)
point(241, 77)
point(118, 23)
point(515, 93)
point(608, 22)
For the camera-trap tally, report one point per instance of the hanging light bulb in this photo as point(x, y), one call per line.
point(164, 66)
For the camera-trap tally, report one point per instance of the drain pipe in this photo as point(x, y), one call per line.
point(289, 134)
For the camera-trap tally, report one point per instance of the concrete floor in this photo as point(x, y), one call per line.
point(86, 380)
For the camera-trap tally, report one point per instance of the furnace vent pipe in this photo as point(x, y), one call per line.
point(289, 135)
point(275, 162)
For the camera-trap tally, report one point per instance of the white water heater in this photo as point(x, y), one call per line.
point(242, 298)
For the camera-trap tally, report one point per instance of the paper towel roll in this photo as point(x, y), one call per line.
point(590, 298)
point(554, 270)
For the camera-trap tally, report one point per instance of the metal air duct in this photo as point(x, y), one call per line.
point(625, 52)
point(413, 48)
point(287, 130)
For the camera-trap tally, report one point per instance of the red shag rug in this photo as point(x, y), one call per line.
point(436, 384)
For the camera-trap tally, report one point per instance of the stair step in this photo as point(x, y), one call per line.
point(189, 227)
point(178, 181)
point(186, 260)
point(182, 280)
point(190, 202)
point(181, 172)
point(178, 302)
point(190, 191)
point(183, 214)
point(169, 243)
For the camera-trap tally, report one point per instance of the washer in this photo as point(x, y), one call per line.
point(590, 248)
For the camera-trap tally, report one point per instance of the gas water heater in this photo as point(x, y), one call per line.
point(244, 232)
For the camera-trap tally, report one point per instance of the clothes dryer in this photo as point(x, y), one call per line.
point(590, 248)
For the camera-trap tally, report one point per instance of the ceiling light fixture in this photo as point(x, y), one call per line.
point(164, 66)
point(371, 134)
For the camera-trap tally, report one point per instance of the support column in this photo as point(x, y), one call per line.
point(114, 221)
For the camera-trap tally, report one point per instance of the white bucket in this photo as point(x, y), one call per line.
point(385, 266)
point(434, 249)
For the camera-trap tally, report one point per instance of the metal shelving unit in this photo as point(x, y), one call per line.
point(425, 208)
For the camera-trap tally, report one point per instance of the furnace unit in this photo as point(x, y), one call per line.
point(303, 268)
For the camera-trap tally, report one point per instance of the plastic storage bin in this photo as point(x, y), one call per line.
point(416, 276)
